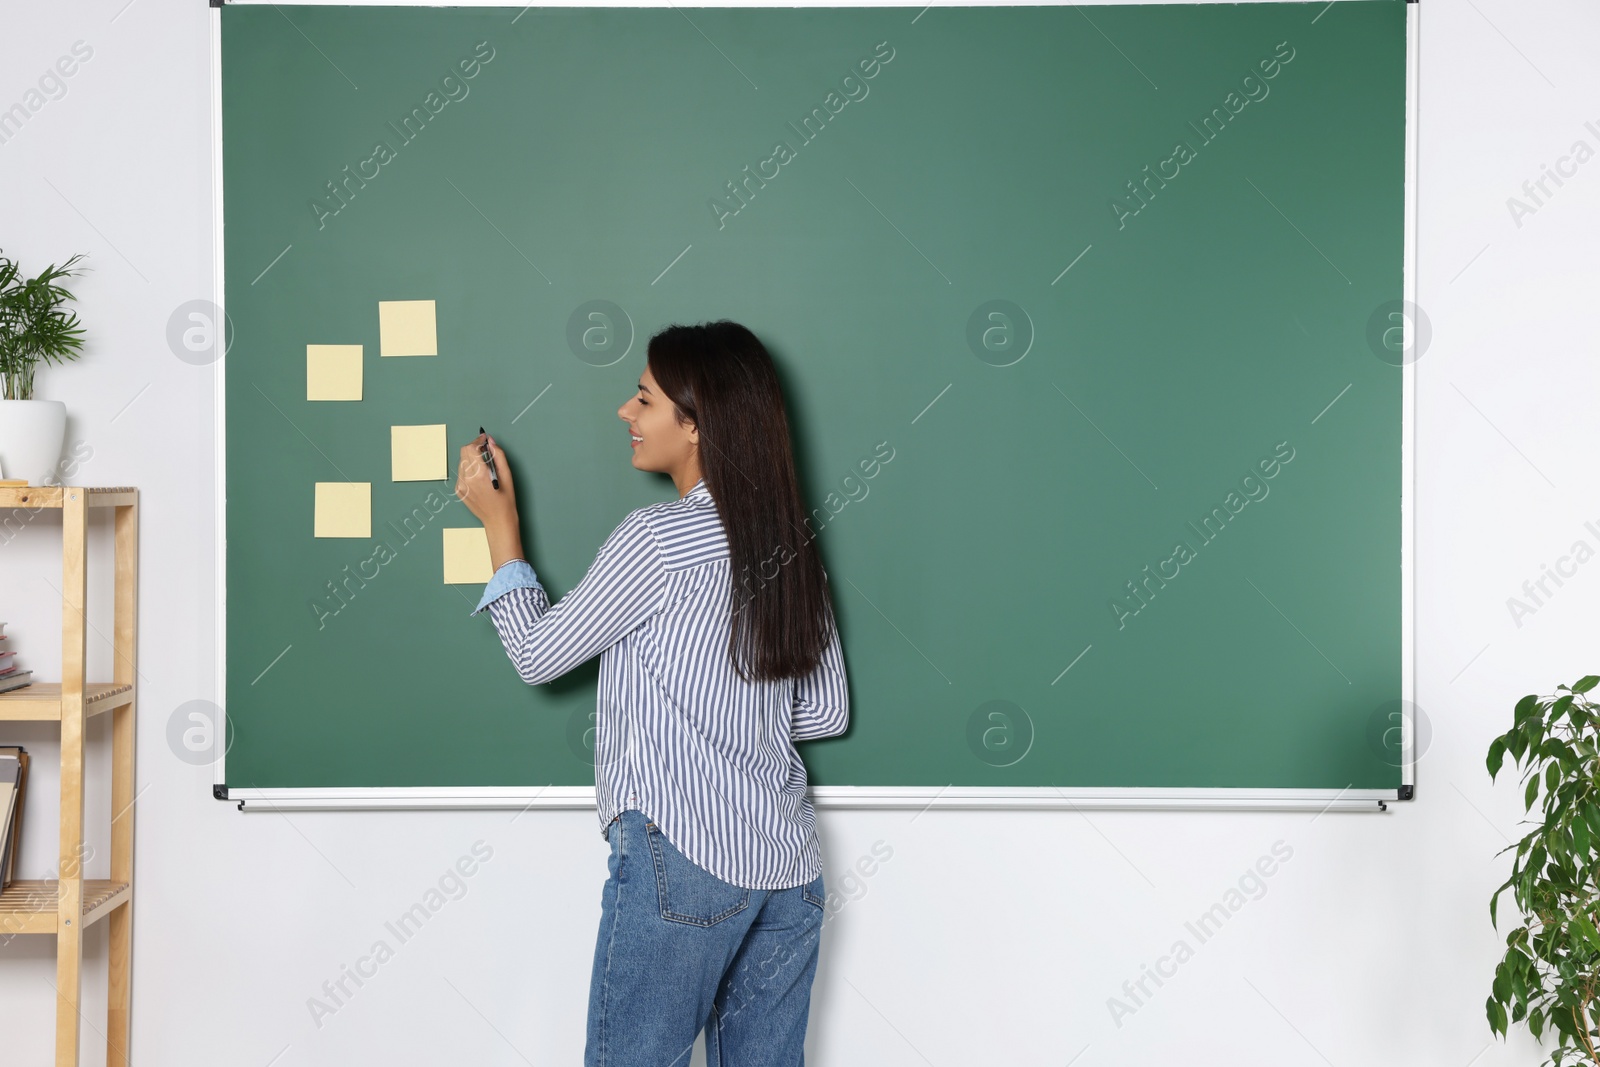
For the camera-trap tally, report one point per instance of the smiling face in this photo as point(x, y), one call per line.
point(659, 442)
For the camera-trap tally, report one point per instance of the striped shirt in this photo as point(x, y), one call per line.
point(708, 756)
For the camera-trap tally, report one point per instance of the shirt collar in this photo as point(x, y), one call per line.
point(698, 491)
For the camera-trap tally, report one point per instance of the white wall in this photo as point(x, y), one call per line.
point(987, 938)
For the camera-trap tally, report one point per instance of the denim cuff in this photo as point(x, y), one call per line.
point(513, 574)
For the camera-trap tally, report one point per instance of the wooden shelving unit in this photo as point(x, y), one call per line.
point(66, 906)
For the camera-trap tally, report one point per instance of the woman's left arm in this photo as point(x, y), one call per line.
point(622, 589)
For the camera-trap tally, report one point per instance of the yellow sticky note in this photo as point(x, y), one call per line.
point(333, 372)
point(466, 556)
point(406, 328)
point(344, 509)
point(416, 453)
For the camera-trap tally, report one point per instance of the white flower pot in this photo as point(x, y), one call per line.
point(31, 435)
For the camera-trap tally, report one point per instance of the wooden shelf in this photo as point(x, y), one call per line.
point(30, 905)
point(66, 907)
point(41, 701)
point(49, 496)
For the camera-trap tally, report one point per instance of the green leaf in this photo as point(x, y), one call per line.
point(1497, 755)
point(1586, 928)
point(1502, 984)
point(1582, 715)
point(1497, 1017)
point(1586, 683)
point(1533, 791)
point(1525, 707)
point(1562, 1017)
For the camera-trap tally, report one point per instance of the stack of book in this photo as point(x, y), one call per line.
point(10, 676)
point(13, 785)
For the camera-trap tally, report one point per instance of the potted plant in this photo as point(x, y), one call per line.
point(1550, 974)
point(35, 327)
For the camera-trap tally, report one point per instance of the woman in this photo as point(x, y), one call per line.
point(718, 650)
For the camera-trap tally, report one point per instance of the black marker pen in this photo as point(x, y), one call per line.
point(488, 457)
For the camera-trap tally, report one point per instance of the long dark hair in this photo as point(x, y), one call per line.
point(720, 377)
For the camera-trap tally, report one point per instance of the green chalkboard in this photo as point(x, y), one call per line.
point(1050, 289)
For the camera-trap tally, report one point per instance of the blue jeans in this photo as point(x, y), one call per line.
point(680, 950)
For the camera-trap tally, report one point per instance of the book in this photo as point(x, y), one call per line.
point(15, 680)
point(13, 851)
point(10, 779)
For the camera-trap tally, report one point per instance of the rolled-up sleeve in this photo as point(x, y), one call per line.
point(822, 698)
point(625, 585)
point(513, 574)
